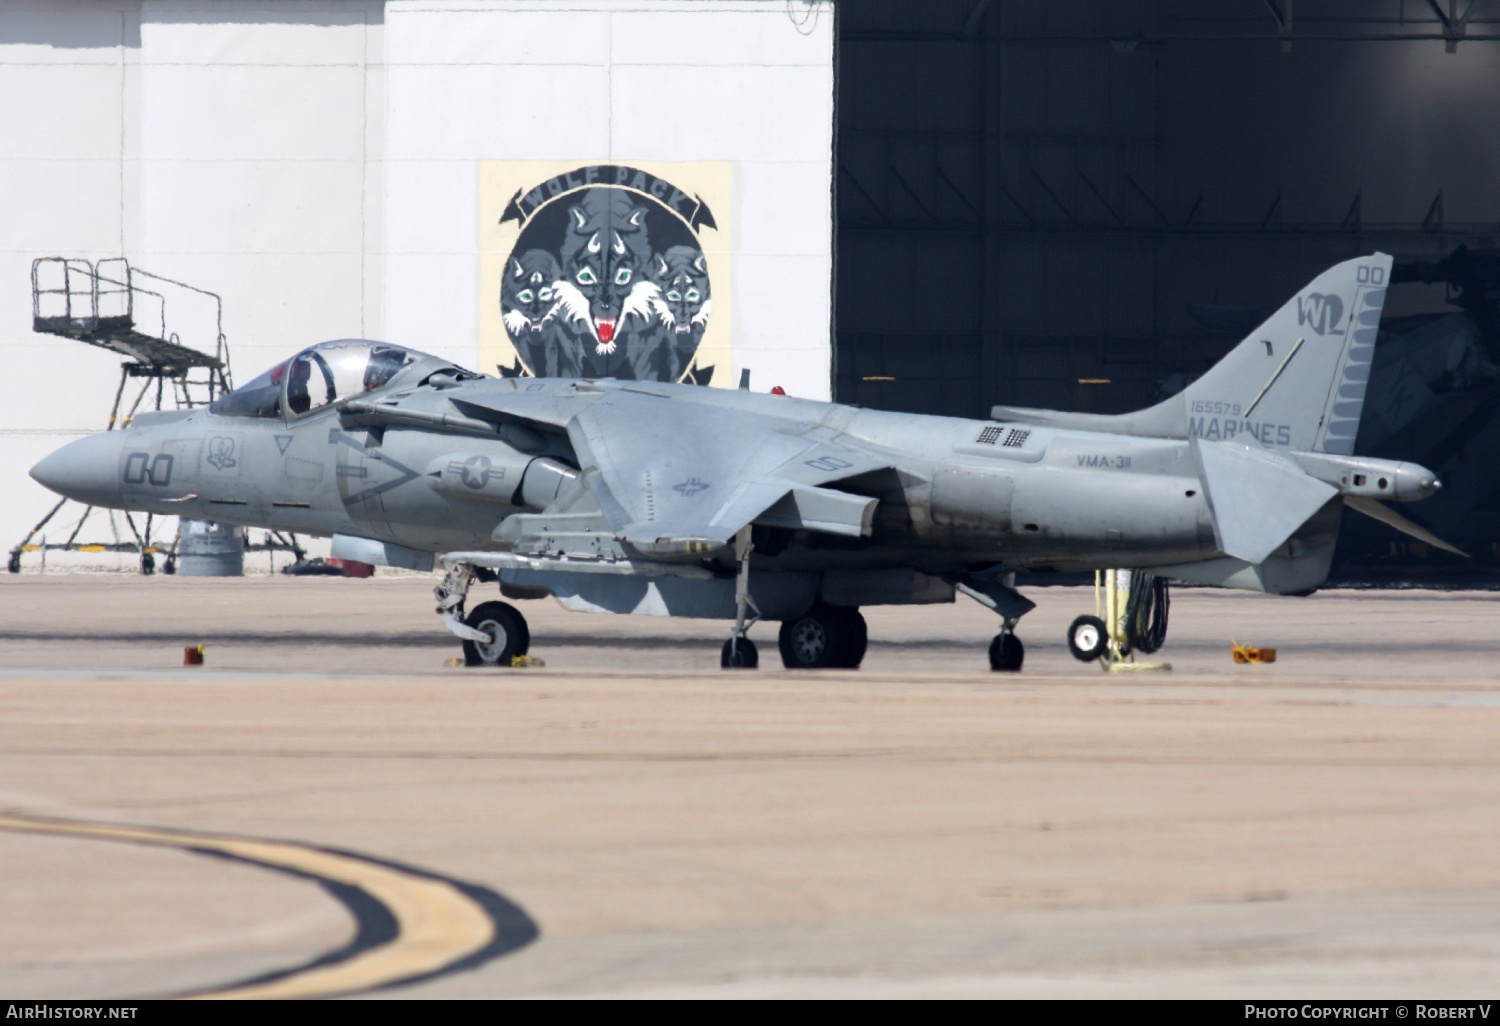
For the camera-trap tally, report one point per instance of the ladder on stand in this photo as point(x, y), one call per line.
point(108, 304)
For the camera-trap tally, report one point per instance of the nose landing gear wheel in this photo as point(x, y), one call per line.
point(739, 655)
point(507, 631)
point(1007, 653)
point(1087, 638)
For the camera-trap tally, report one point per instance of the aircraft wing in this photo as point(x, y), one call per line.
point(511, 401)
point(681, 478)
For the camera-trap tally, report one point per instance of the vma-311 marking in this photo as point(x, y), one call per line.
point(677, 500)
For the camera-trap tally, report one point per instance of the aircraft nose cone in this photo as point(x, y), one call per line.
point(87, 470)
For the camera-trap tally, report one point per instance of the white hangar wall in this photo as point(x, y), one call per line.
point(258, 170)
point(234, 146)
point(66, 70)
point(317, 163)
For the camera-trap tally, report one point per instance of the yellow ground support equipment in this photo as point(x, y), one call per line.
point(1132, 605)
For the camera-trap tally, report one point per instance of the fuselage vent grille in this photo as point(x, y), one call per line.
point(1016, 438)
point(988, 436)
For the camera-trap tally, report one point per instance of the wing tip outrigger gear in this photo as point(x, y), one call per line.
point(995, 588)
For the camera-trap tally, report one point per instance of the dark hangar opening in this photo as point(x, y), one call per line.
point(1083, 205)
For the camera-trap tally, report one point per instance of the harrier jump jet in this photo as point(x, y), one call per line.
point(677, 500)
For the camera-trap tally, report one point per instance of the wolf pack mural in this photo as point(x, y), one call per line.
point(607, 278)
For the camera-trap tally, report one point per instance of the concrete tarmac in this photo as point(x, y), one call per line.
point(1322, 826)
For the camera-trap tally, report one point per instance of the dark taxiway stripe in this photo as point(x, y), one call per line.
point(541, 641)
point(412, 925)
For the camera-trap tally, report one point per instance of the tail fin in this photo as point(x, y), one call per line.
point(1298, 381)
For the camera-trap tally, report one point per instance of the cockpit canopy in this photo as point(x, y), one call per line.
point(322, 375)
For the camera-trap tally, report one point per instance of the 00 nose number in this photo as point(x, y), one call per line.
point(141, 468)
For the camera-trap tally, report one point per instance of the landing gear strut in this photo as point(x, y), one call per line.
point(997, 590)
point(739, 651)
point(1006, 651)
point(494, 634)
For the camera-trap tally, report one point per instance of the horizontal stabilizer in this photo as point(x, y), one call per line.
point(1380, 511)
point(1258, 500)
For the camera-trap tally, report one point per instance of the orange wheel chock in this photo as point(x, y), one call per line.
point(1249, 654)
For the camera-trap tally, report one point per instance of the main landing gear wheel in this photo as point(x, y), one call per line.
point(1007, 653)
point(506, 629)
point(859, 637)
point(1088, 638)
point(824, 637)
point(739, 655)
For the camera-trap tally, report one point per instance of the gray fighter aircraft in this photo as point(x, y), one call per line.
point(678, 500)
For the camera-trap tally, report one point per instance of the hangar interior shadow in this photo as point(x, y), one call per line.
point(1082, 206)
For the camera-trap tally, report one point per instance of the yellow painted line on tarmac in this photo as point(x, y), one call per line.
point(438, 924)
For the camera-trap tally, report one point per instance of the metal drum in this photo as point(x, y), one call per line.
point(206, 549)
